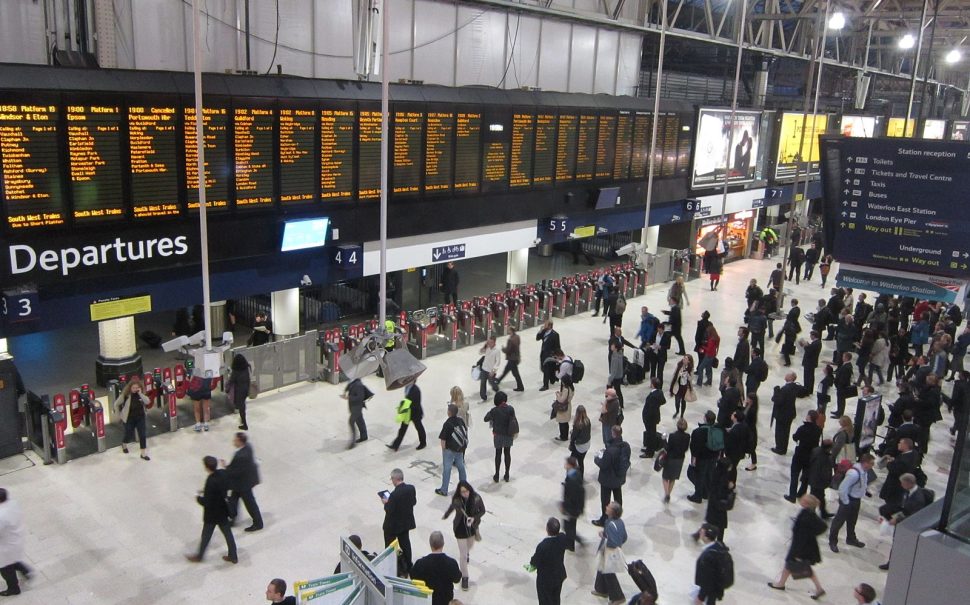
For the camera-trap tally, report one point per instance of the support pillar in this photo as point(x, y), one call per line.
point(650, 238)
point(285, 312)
point(118, 350)
point(517, 268)
point(218, 318)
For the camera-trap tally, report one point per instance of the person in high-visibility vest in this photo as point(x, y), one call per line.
point(770, 239)
point(390, 326)
point(409, 410)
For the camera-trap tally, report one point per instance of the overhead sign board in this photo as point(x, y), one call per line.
point(445, 253)
point(896, 204)
point(112, 308)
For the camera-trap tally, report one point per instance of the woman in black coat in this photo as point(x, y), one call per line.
point(503, 432)
point(720, 496)
point(239, 387)
point(751, 419)
point(804, 552)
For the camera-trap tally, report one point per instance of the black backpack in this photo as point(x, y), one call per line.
point(579, 370)
point(725, 567)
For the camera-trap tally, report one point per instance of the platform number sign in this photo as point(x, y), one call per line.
point(17, 307)
point(557, 224)
point(348, 256)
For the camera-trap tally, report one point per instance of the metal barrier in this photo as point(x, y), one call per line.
point(280, 363)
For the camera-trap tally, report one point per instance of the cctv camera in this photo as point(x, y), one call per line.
point(536, 241)
point(306, 281)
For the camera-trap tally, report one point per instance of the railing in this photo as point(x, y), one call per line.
point(280, 363)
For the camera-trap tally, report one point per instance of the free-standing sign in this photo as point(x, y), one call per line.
point(898, 204)
point(443, 253)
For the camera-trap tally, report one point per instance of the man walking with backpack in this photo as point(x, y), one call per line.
point(613, 465)
point(714, 571)
point(851, 490)
point(454, 441)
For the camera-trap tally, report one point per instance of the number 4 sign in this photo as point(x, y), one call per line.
point(348, 256)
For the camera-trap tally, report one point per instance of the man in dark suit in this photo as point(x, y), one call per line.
point(676, 324)
point(807, 438)
point(736, 443)
point(438, 571)
point(908, 460)
point(915, 498)
point(811, 350)
point(662, 347)
point(215, 511)
point(243, 476)
point(730, 400)
point(702, 458)
point(756, 373)
point(357, 395)
point(843, 384)
point(707, 571)
point(548, 563)
point(550, 344)
point(783, 412)
point(449, 284)
point(573, 500)
point(651, 417)
point(399, 516)
point(742, 352)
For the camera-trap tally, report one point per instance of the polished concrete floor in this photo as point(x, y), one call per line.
point(111, 528)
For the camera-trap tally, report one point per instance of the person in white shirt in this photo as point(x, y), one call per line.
point(851, 491)
point(11, 545)
point(491, 363)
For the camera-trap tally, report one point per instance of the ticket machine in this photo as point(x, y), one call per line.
point(500, 313)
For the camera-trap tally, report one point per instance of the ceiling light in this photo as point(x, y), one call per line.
point(953, 56)
point(837, 20)
point(907, 42)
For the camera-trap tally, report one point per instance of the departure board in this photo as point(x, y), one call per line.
point(153, 160)
point(31, 171)
point(298, 162)
point(495, 168)
point(566, 148)
point(605, 147)
point(684, 141)
point(369, 155)
point(586, 152)
point(468, 136)
point(215, 124)
point(624, 141)
point(337, 154)
point(438, 151)
point(253, 137)
point(523, 141)
point(642, 131)
point(94, 144)
point(667, 136)
point(408, 128)
point(544, 161)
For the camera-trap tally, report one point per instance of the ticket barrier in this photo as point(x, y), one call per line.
point(331, 343)
point(466, 322)
point(161, 392)
point(585, 292)
point(572, 295)
point(422, 324)
point(47, 426)
point(515, 307)
point(558, 295)
point(544, 295)
point(448, 324)
point(484, 317)
point(530, 303)
point(500, 313)
point(631, 280)
point(181, 383)
point(620, 280)
point(641, 280)
point(87, 410)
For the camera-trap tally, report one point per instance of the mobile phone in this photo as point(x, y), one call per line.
point(384, 494)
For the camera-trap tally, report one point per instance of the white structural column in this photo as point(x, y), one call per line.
point(285, 312)
point(517, 269)
point(116, 338)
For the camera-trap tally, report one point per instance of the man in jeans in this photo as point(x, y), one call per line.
point(454, 440)
point(851, 491)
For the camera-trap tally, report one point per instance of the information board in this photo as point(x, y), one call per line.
point(669, 135)
point(31, 171)
point(497, 139)
point(586, 150)
point(798, 152)
point(438, 151)
point(468, 137)
point(544, 161)
point(523, 142)
point(337, 154)
point(642, 131)
point(215, 125)
point(624, 142)
point(298, 157)
point(605, 147)
point(153, 160)
point(566, 148)
point(890, 204)
point(253, 139)
point(369, 155)
point(94, 147)
point(407, 151)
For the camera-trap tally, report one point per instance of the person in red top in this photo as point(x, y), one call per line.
point(709, 349)
point(921, 307)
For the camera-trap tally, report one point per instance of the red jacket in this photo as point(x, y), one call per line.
point(710, 346)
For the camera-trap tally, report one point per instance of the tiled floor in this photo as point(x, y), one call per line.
point(112, 529)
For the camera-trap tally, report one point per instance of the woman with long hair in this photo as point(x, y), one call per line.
point(843, 444)
point(751, 419)
point(564, 406)
point(239, 387)
point(131, 407)
point(803, 552)
point(678, 444)
point(457, 397)
point(710, 348)
point(683, 376)
point(469, 510)
point(579, 439)
point(502, 437)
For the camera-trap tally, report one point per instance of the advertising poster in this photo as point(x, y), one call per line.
point(934, 129)
point(869, 407)
point(712, 157)
point(959, 131)
point(895, 127)
point(798, 150)
point(858, 126)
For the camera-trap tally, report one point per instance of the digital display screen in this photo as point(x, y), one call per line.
point(408, 128)
point(31, 171)
point(624, 142)
point(642, 131)
point(544, 161)
point(438, 151)
point(960, 131)
point(934, 129)
point(606, 147)
point(895, 126)
point(586, 153)
point(607, 197)
point(337, 154)
point(215, 125)
point(794, 145)
point(468, 137)
point(858, 126)
point(495, 165)
point(298, 161)
point(369, 155)
point(566, 148)
point(669, 134)
point(253, 137)
point(523, 141)
point(712, 158)
point(685, 142)
point(94, 145)
point(153, 157)
point(305, 233)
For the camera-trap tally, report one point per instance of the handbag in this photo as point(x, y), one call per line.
point(253, 389)
point(660, 461)
point(690, 396)
point(476, 373)
point(799, 569)
point(513, 425)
